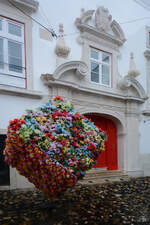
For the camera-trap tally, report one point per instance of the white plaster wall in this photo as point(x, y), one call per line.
point(145, 136)
point(66, 11)
point(12, 107)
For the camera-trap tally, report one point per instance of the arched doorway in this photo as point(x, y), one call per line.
point(108, 158)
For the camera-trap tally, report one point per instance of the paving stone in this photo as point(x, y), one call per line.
point(115, 202)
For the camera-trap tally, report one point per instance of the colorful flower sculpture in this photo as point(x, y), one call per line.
point(53, 146)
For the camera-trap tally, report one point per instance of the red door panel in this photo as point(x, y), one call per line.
point(102, 158)
point(111, 146)
point(108, 158)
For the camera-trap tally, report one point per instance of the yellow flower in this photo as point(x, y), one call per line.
point(41, 119)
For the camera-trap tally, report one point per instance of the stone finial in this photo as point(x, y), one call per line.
point(133, 72)
point(82, 11)
point(61, 50)
point(61, 29)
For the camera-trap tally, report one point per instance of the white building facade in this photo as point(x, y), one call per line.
point(97, 56)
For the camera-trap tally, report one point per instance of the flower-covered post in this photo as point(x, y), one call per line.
point(53, 146)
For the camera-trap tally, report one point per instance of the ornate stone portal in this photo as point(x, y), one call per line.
point(120, 102)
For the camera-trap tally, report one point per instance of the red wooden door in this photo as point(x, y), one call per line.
point(108, 158)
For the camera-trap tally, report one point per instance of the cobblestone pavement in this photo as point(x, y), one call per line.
point(117, 202)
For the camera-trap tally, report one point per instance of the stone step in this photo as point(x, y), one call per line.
point(104, 173)
point(97, 170)
point(101, 175)
point(105, 176)
point(102, 180)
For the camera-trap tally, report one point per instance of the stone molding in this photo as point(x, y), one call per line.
point(13, 91)
point(100, 110)
point(50, 81)
point(82, 24)
point(104, 36)
point(116, 28)
point(127, 81)
point(80, 68)
point(30, 4)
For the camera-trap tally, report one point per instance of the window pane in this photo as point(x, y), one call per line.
point(105, 75)
point(1, 54)
point(94, 67)
point(94, 54)
point(105, 58)
point(95, 77)
point(0, 24)
point(14, 29)
point(15, 56)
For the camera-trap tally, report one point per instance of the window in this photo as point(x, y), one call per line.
point(100, 67)
point(12, 57)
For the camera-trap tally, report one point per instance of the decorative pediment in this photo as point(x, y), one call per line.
point(79, 68)
point(128, 82)
point(99, 23)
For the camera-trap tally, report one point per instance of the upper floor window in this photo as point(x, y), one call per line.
point(12, 55)
point(100, 67)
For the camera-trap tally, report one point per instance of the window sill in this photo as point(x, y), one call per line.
point(21, 92)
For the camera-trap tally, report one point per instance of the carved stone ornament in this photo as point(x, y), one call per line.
point(103, 19)
point(80, 68)
point(61, 50)
point(128, 81)
point(133, 72)
point(103, 27)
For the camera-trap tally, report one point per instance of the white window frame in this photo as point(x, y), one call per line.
point(6, 36)
point(98, 61)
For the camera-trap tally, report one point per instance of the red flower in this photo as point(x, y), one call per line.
point(91, 146)
point(58, 98)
